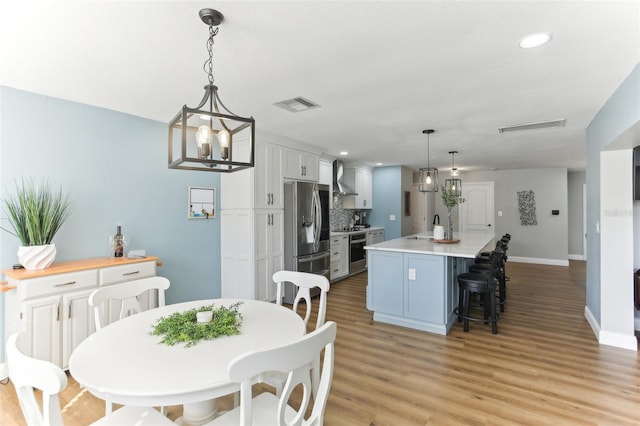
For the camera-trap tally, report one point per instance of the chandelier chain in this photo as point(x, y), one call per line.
point(208, 65)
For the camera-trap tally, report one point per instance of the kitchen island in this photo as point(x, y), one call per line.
point(412, 280)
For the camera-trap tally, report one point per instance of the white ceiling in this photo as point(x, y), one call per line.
point(382, 71)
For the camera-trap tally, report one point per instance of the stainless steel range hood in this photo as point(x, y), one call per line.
point(339, 187)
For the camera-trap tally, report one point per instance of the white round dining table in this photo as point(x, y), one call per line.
point(125, 364)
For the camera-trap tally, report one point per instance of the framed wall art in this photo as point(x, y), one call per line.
point(202, 203)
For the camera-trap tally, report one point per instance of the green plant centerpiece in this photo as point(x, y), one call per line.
point(36, 212)
point(450, 198)
point(183, 327)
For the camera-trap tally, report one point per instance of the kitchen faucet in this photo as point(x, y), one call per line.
point(436, 216)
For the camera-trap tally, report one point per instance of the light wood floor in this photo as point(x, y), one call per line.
point(544, 366)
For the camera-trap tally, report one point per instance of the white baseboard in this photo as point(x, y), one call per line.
point(624, 341)
point(554, 262)
point(576, 257)
point(595, 327)
point(609, 338)
point(4, 373)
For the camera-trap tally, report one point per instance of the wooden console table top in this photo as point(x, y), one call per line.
point(76, 265)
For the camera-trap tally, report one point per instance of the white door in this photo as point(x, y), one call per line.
point(476, 213)
point(418, 211)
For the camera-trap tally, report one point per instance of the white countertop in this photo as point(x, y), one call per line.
point(360, 231)
point(470, 245)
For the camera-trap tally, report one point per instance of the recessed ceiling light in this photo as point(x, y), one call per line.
point(534, 40)
point(344, 152)
point(378, 164)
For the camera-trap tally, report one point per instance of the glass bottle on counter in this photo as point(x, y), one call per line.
point(118, 243)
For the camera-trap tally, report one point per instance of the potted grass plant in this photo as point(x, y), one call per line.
point(36, 212)
point(450, 199)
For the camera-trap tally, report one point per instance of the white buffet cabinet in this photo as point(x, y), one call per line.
point(51, 305)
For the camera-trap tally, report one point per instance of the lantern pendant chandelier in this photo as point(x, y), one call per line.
point(193, 131)
point(453, 184)
point(428, 176)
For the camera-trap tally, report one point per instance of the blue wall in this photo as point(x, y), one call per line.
point(618, 114)
point(387, 200)
point(114, 166)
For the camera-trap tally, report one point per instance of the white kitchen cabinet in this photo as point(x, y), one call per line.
point(269, 252)
point(51, 306)
point(78, 322)
point(237, 242)
point(325, 177)
point(259, 187)
point(252, 220)
point(375, 236)
point(339, 246)
point(301, 165)
point(40, 320)
point(361, 180)
point(252, 246)
point(268, 177)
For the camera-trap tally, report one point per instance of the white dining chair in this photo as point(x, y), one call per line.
point(28, 374)
point(126, 293)
point(305, 283)
point(295, 360)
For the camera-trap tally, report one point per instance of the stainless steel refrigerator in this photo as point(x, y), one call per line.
point(306, 231)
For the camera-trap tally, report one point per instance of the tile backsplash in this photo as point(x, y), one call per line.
point(339, 218)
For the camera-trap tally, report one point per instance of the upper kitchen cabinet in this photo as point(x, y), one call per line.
point(259, 187)
point(360, 179)
point(325, 176)
point(300, 165)
point(269, 177)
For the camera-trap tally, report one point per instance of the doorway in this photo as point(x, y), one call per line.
point(477, 212)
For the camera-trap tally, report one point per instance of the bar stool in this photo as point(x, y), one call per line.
point(484, 285)
point(498, 273)
point(503, 243)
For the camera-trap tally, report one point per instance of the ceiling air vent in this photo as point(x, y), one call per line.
point(298, 104)
point(532, 126)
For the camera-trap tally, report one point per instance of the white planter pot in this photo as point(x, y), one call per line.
point(34, 258)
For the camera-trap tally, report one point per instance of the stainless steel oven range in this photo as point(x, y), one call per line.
point(357, 253)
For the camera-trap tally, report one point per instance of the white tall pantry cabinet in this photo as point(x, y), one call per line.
point(252, 242)
point(252, 220)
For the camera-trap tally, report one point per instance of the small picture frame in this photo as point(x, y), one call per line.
point(202, 203)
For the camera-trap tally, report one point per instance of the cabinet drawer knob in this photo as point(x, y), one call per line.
point(131, 273)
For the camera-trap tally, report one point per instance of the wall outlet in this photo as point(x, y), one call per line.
point(392, 217)
point(500, 213)
point(412, 274)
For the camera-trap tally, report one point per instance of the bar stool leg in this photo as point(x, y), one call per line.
point(465, 314)
point(460, 304)
point(494, 317)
